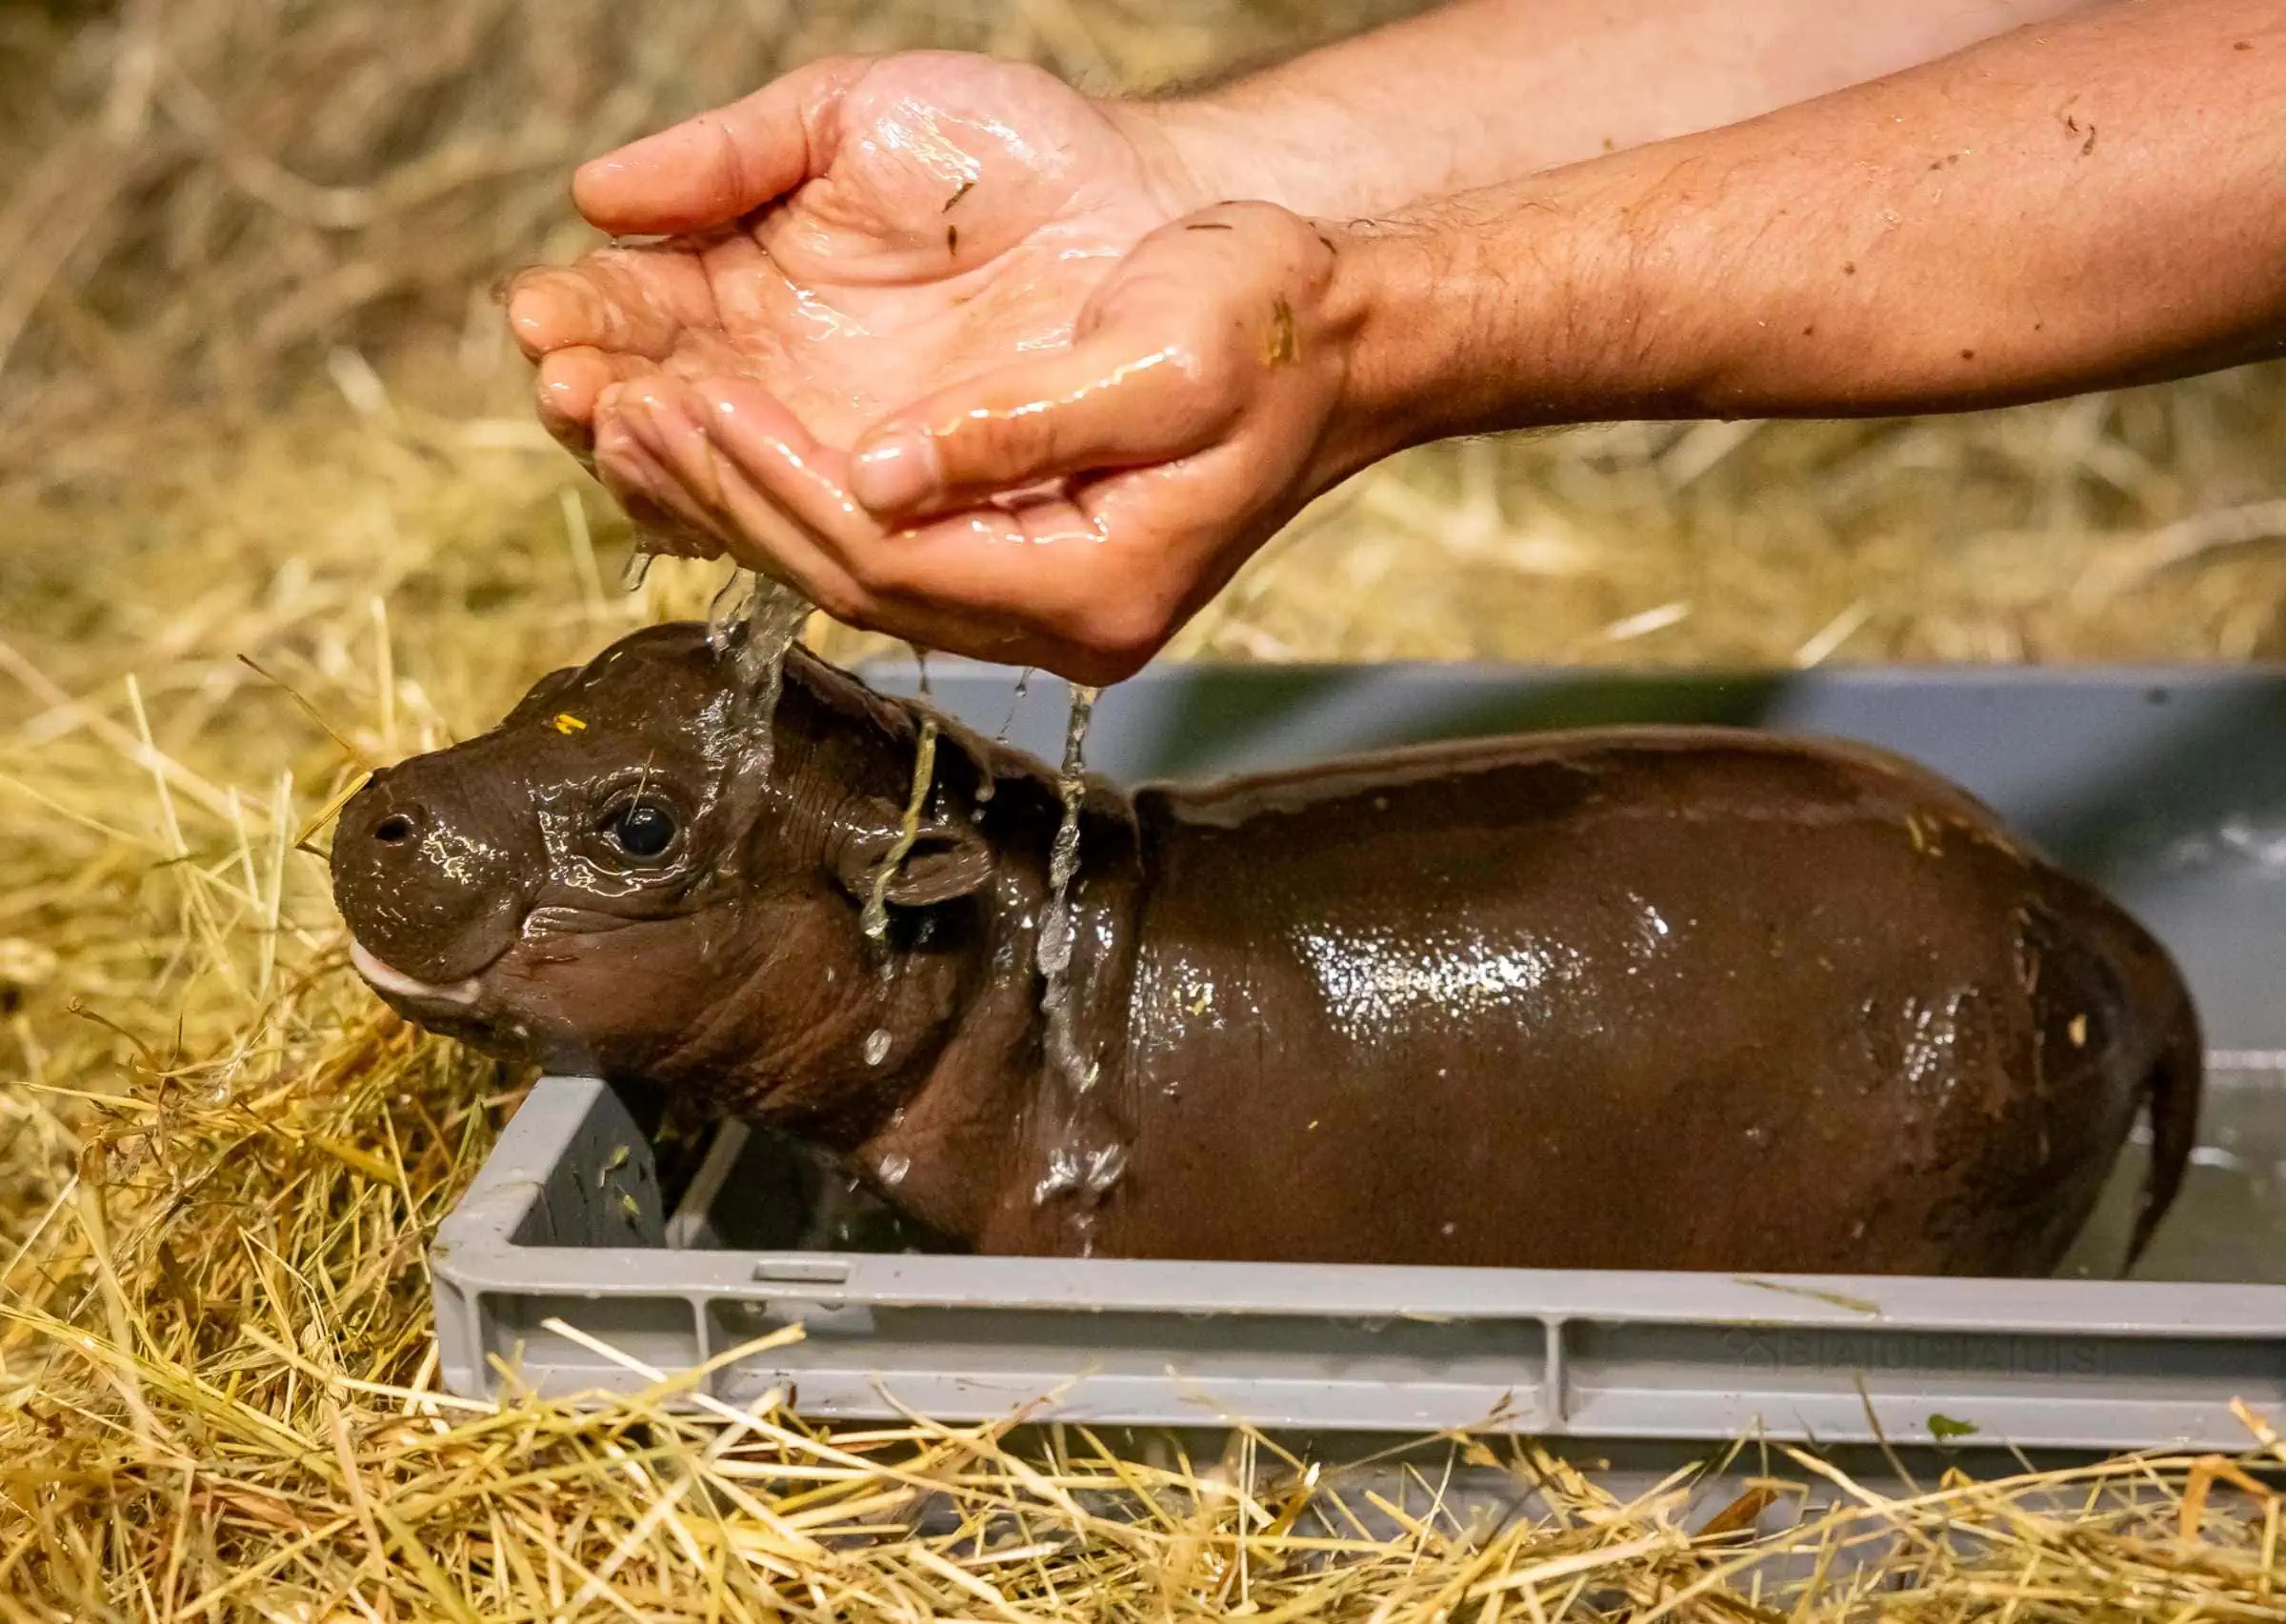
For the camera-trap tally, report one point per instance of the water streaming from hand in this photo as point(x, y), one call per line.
point(754, 620)
point(1060, 926)
point(1085, 1158)
point(726, 608)
point(985, 788)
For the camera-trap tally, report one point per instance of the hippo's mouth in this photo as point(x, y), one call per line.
point(387, 979)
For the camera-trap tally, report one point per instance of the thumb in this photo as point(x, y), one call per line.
point(720, 165)
point(1123, 399)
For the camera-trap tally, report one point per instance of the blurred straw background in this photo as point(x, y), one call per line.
point(272, 510)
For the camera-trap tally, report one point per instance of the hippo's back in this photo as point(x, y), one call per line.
point(1642, 998)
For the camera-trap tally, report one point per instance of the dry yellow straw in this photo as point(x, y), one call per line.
point(251, 388)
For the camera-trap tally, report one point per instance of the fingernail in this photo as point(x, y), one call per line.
point(557, 390)
point(895, 472)
point(553, 309)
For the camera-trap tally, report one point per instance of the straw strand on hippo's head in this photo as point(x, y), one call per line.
point(611, 877)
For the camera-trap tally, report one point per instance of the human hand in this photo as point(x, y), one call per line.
point(1148, 395)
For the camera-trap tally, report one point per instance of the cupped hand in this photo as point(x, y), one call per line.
point(1139, 390)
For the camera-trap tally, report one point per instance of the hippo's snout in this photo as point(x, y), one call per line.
point(433, 879)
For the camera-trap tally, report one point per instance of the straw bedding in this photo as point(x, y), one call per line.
point(273, 512)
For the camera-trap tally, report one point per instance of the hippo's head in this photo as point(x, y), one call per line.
point(610, 880)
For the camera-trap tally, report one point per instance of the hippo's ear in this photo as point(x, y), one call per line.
point(946, 862)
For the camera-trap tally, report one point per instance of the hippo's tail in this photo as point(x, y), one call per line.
point(2171, 1094)
point(2157, 1002)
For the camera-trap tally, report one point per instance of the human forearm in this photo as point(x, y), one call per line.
point(1489, 90)
point(2096, 203)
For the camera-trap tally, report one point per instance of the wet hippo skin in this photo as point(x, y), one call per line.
point(1638, 997)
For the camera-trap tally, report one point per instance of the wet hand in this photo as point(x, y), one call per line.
point(1070, 509)
point(1146, 389)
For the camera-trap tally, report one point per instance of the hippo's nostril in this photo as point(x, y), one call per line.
point(394, 829)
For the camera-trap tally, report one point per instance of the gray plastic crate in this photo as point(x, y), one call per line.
point(2167, 787)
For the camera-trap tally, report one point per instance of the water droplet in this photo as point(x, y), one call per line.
point(1015, 703)
point(1062, 1174)
point(876, 1046)
point(1758, 1136)
point(894, 1168)
point(638, 567)
point(1105, 1165)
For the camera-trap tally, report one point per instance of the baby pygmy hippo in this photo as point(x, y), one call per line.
point(1689, 998)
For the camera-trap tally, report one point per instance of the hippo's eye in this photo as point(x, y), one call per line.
point(641, 829)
